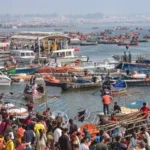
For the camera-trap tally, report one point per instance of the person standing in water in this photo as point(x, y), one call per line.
point(129, 58)
point(125, 57)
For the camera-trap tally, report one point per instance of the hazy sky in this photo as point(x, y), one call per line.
point(74, 6)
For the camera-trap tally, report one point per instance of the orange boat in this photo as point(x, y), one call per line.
point(63, 69)
point(49, 78)
point(91, 128)
point(76, 48)
point(130, 44)
point(52, 81)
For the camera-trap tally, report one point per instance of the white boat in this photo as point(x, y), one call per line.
point(75, 41)
point(4, 80)
point(18, 112)
point(23, 55)
point(111, 61)
point(105, 65)
point(65, 55)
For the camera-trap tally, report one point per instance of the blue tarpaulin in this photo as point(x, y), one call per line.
point(135, 105)
point(119, 84)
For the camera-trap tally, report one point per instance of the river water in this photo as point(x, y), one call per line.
point(79, 100)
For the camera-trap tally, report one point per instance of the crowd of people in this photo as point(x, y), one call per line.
point(43, 131)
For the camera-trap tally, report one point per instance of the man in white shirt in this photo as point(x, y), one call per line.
point(57, 133)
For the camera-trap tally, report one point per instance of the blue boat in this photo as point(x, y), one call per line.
point(119, 85)
point(134, 66)
point(27, 70)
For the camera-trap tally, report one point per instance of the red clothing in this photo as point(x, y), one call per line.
point(20, 131)
point(2, 127)
point(30, 107)
point(5, 115)
point(26, 121)
point(114, 119)
point(106, 99)
point(145, 110)
point(22, 146)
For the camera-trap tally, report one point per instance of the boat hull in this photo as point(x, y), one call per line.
point(32, 97)
point(88, 44)
point(137, 83)
point(9, 71)
point(79, 86)
point(27, 70)
point(49, 83)
point(131, 44)
point(134, 66)
point(5, 83)
point(57, 69)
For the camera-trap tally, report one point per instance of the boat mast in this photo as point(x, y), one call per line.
point(39, 46)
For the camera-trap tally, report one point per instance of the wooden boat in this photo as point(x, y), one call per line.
point(129, 108)
point(117, 87)
point(32, 97)
point(133, 77)
point(107, 42)
point(91, 40)
point(92, 128)
point(130, 44)
point(134, 66)
point(20, 77)
point(31, 69)
point(57, 69)
point(88, 43)
point(36, 96)
point(143, 40)
point(79, 86)
point(58, 29)
point(142, 82)
point(20, 113)
point(11, 70)
point(51, 81)
point(76, 48)
point(130, 81)
point(143, 60)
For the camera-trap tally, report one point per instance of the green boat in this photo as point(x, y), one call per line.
point(9, 71)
